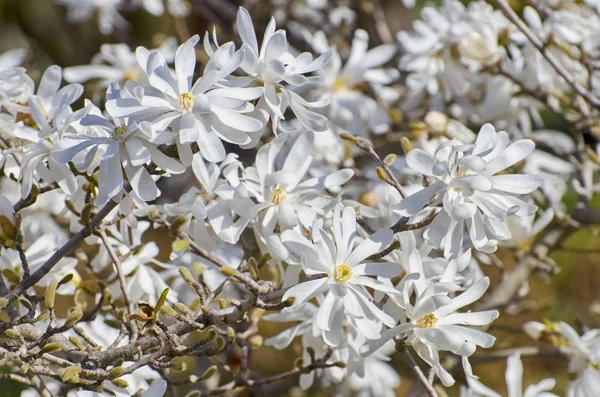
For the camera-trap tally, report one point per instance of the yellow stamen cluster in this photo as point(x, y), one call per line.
point(186, 101)
point(342, 274)
point(278, 196)
point(428, 321)
point(118, 132)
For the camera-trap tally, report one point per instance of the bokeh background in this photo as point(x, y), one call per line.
point(573, 295)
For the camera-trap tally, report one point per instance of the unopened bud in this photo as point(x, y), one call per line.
point(50, 295)
point(406, 145)
point(70, 374)
point(177, 224)
point(389, 159)
point(348, 137)
point(115, 373)
point(120, 383)
point(209, 372)
point(228, 271)
point(51, 348)
point(73, 317)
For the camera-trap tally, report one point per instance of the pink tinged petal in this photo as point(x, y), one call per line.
point(474, 336)
point(475, 291)
point(142, 183)
point(374, 244)
point(185, 62)
point(50, 82)
point(374, 345)
point(510, 156)
point(246, 29)
point(381, 269)
point(414, 203)
point(517, 184)
point(306, 290)
point(326, 313)
point(420, 161)
point(514, 375)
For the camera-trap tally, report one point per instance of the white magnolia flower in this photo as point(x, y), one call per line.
point(279, 184)
point(197, 112)
point(350, 108)
point(473, 197)
point(514, 383)
point(52, 118)
point(272, 66)
point(345, 275)
point(116, 145)
point(432, 323)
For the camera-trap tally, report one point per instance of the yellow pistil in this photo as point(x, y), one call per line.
point(342, 274)
point(186, 101)
point(279, 196)
point(428, 321)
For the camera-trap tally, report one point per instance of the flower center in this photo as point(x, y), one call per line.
point(342, 274)
point(186, 101)
point(118, 132)
point(279, 195)
point(338, 85)
point(428, 321)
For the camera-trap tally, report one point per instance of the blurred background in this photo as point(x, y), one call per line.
point(41, 27)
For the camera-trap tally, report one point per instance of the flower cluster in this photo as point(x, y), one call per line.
point(210, 189)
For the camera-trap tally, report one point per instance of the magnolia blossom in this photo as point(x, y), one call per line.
point(432, 323)
point(473, 197)
point(350, 108)
point(271, 66)
point(279, 183)
point(345, 275)
point(117, 145)
point(197, 112)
